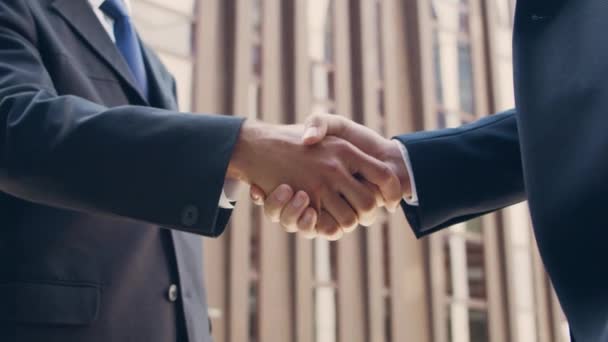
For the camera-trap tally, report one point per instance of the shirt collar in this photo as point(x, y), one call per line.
point(98, 3)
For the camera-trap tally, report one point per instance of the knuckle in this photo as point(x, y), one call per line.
point(311, 119)
point(332, 167)
point(368, 218)
point(336, 236)
point(288, 219)
point(328, 231)
point(368, 204)
point(271, 213)
point(343, 147)
point(315, 190)
point(290, 228)
point(385, 173)
point(350, 221)
point(350, 229)
point(308, 231)
point(315, 120)
point(308, 234)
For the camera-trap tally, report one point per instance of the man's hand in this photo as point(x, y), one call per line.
point(369, 141)
point(327, 171)
point(282, 203)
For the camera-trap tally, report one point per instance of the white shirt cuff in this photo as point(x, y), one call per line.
point(230, 193)
point(413, 199)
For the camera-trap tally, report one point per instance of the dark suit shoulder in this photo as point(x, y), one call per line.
point(13, 11)
point(23, 8)
point(20, 16)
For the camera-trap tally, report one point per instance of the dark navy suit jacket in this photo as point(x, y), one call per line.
point(89, 172)
point(552, 151)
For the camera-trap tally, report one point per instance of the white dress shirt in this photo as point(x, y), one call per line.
point(413, 199)
point(231, 187)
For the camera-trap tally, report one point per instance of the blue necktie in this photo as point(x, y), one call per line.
point(127, 42)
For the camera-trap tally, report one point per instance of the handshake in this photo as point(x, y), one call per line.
point(323, 178)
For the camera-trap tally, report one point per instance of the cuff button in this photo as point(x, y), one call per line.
point(190, 216)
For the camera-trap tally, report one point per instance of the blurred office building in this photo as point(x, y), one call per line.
point(396, 66)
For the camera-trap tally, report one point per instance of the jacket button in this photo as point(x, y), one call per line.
point(173, 293)
point(189, 216)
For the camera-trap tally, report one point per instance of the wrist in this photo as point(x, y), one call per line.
point(259, 145)
point(394, 158)
point(240, 162)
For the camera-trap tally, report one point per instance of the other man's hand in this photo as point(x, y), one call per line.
point(328, 171)
point(288, 210)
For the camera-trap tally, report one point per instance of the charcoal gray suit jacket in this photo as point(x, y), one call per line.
point(90, 171)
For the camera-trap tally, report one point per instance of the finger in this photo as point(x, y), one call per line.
point(318, 126)
point(257, 195)
point(341, 211)
point(380, 174)
point(328, 227)
point(361, 199)
point(293, 211)
point(372, 188)
point(307, 223)
point(277, 201)
point(315, 129)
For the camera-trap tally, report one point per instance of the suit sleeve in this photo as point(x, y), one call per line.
point(137, 163)
point(464, 172)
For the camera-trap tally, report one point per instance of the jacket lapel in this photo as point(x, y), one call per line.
point(83, 20)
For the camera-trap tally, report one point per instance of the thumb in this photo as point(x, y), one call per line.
point(318, 126)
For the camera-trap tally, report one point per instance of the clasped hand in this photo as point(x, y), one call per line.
point(323, 178)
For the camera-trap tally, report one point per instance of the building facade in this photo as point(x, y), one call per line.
point(396, 66)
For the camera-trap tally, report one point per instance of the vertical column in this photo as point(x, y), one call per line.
point(325, 293)
point(276, 315)
point(212, 43)
point(297, 17)
point(212, 96)
point(365, 23)
point(497, 322)
point(459, 309)
point(542, 298)
point(350, 267)
point(241, 221)
point(497, 302)
point(519, 273)
point(561, 330)
point(426, 92)
point(528, 305)
point(321, 24)
point(404, 34)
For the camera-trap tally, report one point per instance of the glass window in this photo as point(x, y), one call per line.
point(478, 325)
point(474, 226)
point(465, 78)
point(256, 14)
point(165, 30)
point(321, 30)
point(453, 62)
point(438, 73)
point(476, 275)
